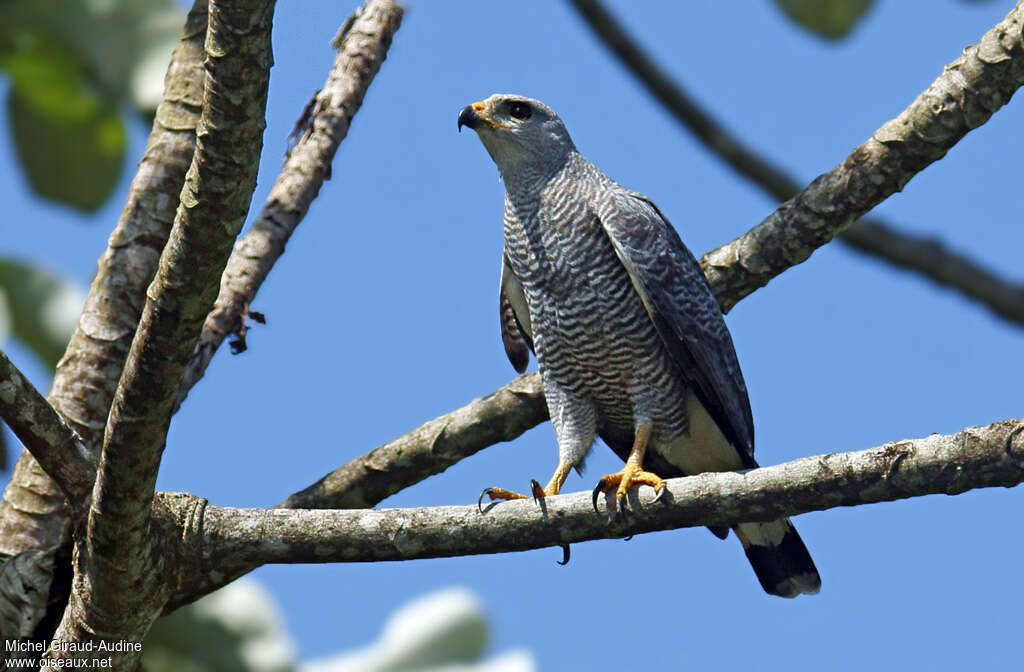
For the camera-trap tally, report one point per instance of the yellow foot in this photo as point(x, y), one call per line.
point(539, 493)
point(536, 492)
point(624, 480)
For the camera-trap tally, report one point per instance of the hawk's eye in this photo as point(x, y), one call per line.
point(520, 111)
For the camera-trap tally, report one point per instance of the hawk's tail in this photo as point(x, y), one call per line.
point(779, 558)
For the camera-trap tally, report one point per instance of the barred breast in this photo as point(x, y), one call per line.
point(592, 333)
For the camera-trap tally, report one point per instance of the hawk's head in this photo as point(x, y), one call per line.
point(520, 134)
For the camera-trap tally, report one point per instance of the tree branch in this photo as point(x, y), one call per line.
point(45, 434)
point(946, 267)
point(428, 449)
point(32, 512)
point(114, 593)
point(976, 457)
point(362, 46)
point(872, 237)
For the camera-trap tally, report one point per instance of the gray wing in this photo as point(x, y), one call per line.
point(516, 333)
point(677, 296)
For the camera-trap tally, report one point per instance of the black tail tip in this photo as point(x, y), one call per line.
point(783, 568)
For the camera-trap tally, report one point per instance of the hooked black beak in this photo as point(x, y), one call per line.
point(468, 117)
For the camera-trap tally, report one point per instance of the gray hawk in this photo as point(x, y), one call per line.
point(630, 341)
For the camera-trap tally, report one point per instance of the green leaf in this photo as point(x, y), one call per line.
point(40, 308)
point(74, 67)
point(123, 46)
point(831, 19)
point(76, 158)
point(69, 140)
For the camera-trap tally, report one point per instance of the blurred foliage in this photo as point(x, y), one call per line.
point(236, 629)
point(831, 19)
point(38, 308)
point(73, 67)
point(239, 629)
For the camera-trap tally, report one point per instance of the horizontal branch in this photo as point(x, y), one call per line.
point(872, 237)
point(976, 457)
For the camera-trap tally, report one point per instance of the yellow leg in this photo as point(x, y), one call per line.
point(632, 473)
point(553, 487)
point(557, 479)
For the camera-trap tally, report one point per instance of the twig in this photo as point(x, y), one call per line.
point(362, 47)
point(114, 592)
point(869, 236)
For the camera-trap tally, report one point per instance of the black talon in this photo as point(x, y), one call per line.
point(597, 491)
point(627, 538)
point(565, 555)
point(534, 489)
point(483, 494)
point(658, 494)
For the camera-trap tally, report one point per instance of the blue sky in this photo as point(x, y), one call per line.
point(382, 315)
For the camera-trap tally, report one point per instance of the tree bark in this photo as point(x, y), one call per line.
point(116, 593)
point(976, 457)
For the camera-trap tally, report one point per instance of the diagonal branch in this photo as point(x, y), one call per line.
point(936, 261)
point(428, 449)
point(976, 457)
point(362, 45)
point(45, 434)
point(872, 237)
point(967, 93)
point(32, 512)
point(114, 594)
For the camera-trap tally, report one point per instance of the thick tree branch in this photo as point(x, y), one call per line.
point(115, 594)
point(872, 237)
point(976, 457)
point(362, 45)
point(32, 512)
point(45, 434)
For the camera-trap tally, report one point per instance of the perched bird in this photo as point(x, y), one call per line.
point(630, 341)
